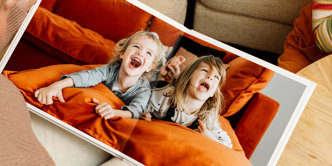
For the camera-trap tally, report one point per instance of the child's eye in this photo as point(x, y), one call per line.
point(136, 46)
point(217, 77)
point(149, 53)
point(205, 70)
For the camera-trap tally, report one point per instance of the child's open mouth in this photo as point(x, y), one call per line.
point(204, 87)
point(135, 62)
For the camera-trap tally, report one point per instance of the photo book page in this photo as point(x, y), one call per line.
point(247, 107)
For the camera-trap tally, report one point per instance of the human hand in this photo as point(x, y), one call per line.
point(44, 95)
point(103, 109)
point(203, 130)
point(106, 111)
point(172, 69)
point(146, 116)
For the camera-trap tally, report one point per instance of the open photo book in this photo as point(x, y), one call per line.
point(262, 102)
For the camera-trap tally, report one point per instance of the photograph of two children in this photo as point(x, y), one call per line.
point(144, 88)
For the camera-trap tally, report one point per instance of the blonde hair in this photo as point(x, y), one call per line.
point(212, 105)
point(122, 45)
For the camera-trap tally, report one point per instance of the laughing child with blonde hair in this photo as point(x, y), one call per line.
point(135, 58)
point(193, 99)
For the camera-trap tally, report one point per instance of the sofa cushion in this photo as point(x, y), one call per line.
point(123, 18)
point(77, 42)
point(256, 119)
point(168, 34)
point(243, 79)
point(131, 136)
point(174, 9)
point(241, 30)
point(284, 11)
point(48, 4)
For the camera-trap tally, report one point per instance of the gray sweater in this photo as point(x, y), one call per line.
point(136, 97)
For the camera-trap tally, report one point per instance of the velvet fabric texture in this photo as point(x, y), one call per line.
point(168, 34)
point(151, 143)
point(300, 48)
point(243, 79)
point(77, 42)
point(48, 4)
point(255, 121)
point(123, 18)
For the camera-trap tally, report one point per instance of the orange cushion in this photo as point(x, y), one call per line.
point(168, 34)
point(172, 144)
point(243, 79)
point(255, 121)
point(226, 126)
point(77, 42)
point(114, 19)
point(145, 141)
point(300, 48)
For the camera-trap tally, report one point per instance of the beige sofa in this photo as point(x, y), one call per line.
point(261, 25)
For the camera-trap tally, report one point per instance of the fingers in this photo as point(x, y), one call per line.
point(200, 129)
point(44, 96)
point(147, 119)
point(146, 116)
point(40, 98)
point(175, 70)
point(202, 124)
point(36, 93)
point(163, 71)
point(60, 97)
point(104, 110)
point(95, 101)
point(109, 115)
point(103, 105)
point(49, 100)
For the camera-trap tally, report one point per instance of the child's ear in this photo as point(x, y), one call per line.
point(121, 56)
point(227, 66)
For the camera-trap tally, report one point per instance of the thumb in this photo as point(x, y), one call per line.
point(60, 97)
point(201, 124)
point(95, 101)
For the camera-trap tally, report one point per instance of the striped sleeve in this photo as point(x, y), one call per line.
point(322, 24)
point(16, 17)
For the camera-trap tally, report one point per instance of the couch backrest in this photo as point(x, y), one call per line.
point(257, 24)
point(113, 19)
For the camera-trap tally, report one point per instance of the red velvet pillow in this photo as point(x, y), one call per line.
point(48, 4)
point(113, 19)
point(243, 79)
point(69, 37)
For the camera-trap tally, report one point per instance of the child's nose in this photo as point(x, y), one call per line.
point(140, 52)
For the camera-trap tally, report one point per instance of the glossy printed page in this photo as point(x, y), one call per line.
point(59, 42)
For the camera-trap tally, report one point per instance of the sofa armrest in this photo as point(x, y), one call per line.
point(254, 122)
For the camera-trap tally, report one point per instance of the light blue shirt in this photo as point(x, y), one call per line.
point(136, 97)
